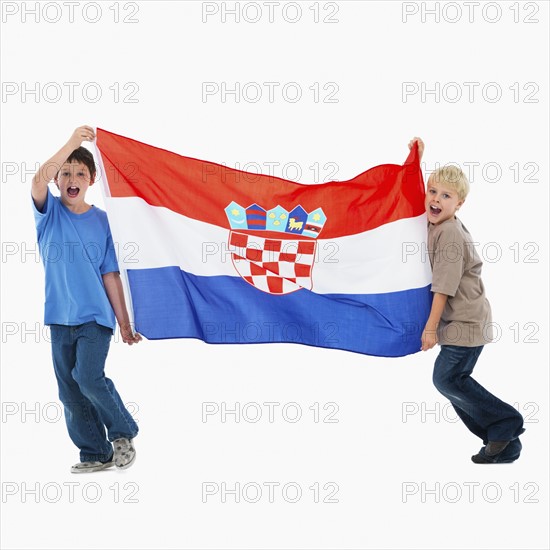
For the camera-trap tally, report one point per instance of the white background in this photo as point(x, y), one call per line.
point(383, 461)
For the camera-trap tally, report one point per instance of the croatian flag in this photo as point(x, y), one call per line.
point(228, 256)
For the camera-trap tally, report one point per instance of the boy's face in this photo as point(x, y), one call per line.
point(73, 181)
point(441, 202)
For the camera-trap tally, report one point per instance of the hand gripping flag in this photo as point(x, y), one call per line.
point(228, 256)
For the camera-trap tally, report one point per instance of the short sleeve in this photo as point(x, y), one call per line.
point(448, 262)
point(41, 216)
point(110, 262)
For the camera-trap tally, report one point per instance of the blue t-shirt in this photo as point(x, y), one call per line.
point(76, 250)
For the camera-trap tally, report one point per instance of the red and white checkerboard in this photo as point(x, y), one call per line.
point(277, 266)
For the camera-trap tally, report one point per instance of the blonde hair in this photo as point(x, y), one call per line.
point(452, 177)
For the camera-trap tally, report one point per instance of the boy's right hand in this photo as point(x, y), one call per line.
point(429, 339)
point(82, 133)
point(129, 336)
point(420, 146)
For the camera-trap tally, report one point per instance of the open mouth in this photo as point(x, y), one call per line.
point(73, 191)
point(435, 211)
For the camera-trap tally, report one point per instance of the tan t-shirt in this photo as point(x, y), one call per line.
point(466, 319)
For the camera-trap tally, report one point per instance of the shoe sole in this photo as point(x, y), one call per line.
point(485, 461)
point(93, 469)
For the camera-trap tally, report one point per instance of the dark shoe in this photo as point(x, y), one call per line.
point(509, 454)
point(493, 448)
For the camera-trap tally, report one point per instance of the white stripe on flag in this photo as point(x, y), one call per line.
point(386, 259)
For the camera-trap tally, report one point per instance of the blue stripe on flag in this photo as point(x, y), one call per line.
point(171, 303)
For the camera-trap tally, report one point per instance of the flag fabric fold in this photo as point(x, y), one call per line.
point(228, 256)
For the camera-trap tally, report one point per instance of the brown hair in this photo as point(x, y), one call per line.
point(85, 157)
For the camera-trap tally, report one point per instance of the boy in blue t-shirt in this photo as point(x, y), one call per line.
point(83, 296)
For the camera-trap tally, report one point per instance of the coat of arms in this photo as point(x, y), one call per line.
point(274, 250)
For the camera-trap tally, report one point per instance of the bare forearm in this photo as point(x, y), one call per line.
point(438, 305)
point(115, 293)
point(429, 334)
point(51, 167)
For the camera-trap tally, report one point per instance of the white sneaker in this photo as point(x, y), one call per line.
point(92, 466)
point(125, 453)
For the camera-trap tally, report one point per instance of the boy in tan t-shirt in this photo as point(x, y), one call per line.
point(460, 320)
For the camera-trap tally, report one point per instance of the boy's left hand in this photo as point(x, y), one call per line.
point(129, 336)
point(429, 339)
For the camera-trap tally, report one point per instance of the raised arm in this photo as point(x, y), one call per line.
point(420, 147)
point(49, 169)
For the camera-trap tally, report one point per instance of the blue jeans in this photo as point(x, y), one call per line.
point(484, 414)
point(90, 400)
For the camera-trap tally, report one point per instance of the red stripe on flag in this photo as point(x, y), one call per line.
point(202, 190)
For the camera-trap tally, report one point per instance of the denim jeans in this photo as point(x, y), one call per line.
point(484, 414)
point(91, 402)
